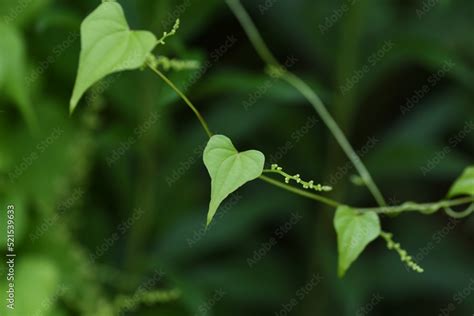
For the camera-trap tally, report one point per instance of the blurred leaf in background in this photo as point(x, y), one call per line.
point(111, 202)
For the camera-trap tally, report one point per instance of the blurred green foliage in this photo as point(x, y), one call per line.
point(109, 196)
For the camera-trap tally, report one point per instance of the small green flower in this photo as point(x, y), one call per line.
point(297, 178)
point(404, 257)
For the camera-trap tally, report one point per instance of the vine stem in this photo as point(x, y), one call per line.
point(406, 207)
point(301, 86)
point(307, 185)
point(297, 191)
point(458, 215)
point(266, 55)
point(185, 99)
point(422, 207)
point(409, 206)
point(262, 177)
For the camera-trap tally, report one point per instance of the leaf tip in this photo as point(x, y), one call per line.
point(208, 222)
point(72, 107)
point(341, 272)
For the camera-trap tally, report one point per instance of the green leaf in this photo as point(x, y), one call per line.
point(108, 46)
point(34, 272)
point(354, 232)
point(13, 75)
point(464, 184)
point(229, 169)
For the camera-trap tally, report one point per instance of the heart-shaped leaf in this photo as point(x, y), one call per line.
point(229, 169)
point(354, 232)
point(464, 184)
point(107, 46)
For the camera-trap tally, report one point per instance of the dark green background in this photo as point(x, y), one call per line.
point(280, 123)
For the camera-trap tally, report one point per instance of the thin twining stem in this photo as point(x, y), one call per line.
point(458, 215)
point(266, 55)
point(426, 208)
point(301, 86)
point(297, 178)
point(409, 206)
point(185, 99)
point(297, 191)
point(264, 178)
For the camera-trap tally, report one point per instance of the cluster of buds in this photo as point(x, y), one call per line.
point(297, 178)
point(407, 259)
point(170, 33)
